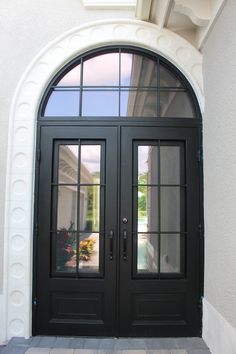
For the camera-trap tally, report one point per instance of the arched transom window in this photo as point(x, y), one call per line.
point(119, 82)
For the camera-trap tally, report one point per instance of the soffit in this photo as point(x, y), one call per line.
point(191, 19)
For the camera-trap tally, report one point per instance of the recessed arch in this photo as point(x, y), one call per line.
point(22, 138)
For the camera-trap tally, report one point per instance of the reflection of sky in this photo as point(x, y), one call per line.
point(94, 73)
point(143, 152)
point(100, 70)
point(90, 156)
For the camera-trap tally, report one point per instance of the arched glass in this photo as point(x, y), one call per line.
point(119, 83)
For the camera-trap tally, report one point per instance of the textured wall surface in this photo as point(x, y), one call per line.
point(26, 27)
point(219, 72)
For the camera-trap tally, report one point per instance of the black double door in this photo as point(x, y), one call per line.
point(117, 249)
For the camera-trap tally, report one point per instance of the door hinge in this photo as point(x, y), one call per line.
point(199, 155)
point(200, 303)
point(38, 155)
point(35, 301)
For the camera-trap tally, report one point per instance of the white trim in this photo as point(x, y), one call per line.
point(218, 334)
point(19, 206)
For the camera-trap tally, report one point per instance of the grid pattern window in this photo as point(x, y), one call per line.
point(119, 82)
point(78, 189)
point(159, 190)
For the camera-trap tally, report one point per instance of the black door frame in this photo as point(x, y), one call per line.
point(195, 125)
point(174, 123)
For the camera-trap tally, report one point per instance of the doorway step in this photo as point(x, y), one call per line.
point(85, 345)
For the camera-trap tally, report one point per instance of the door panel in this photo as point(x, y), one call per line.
point(92, 280)
point(76, 284)
point(159, 273)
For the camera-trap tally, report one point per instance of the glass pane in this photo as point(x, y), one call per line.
point(90, 164)
point(102, 70)
point(176, 105)
point(72, 78)
point(168, 79)
point(147, 209)
point(89, 252)
point(65, 251)
point(170, 164)
point(138, 103)
point(68, 164)
point(170, 209)
point(100, 103)
point(138, 70)
point(147, 253)
point(170, 253)
point(89, 208)
point(147, 164)
point(67, 208)
point(63, 103)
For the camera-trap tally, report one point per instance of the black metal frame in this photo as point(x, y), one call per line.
point(175, 123)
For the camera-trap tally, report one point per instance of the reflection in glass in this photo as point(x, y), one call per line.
point(63, 103)
point(72, 78)
point(170, 164)
point(89, 208)
point(147, 209)
point(68, 164)
point(170, 209)
point(90, 164)
point(138, 70)
point(67, 208)
point(100, 103)
point(176, 104)
point(138, 103)
point(65, 251)
point(170, 253)
point(147, 253)
point(88, 252)
point(147, 164)
point(167, 79)
point(102, 70)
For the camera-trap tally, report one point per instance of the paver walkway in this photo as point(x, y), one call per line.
point(83, 345)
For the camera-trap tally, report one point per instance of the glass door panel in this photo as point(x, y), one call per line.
point(159, 207)
point(77, 187)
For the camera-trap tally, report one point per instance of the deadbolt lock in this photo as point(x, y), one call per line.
point(124, 220)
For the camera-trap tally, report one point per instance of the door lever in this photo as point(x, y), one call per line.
point(125, 245)
point(111, 236)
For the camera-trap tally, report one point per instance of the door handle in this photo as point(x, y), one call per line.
point(125, 245)
point(111, 236)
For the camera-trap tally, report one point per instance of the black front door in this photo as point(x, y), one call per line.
point(117, 232)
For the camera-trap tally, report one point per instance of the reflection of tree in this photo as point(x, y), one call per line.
point(142, 196)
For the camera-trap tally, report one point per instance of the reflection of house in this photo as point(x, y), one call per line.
point(67, 206)
point(169, 216)
point(143, 103)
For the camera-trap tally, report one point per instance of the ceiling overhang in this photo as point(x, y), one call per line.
point(191, 19)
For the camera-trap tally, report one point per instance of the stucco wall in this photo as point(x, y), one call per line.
point(219, 72)
point(26, 27)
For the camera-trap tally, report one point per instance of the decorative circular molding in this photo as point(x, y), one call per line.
point(22, 136)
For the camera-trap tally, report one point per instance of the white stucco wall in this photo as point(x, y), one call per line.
point(26, 27)
point(219, 72)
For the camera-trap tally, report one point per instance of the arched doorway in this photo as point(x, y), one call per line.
point(118, 206)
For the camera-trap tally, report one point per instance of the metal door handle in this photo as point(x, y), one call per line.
point(125, 245)
point(111, 236)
